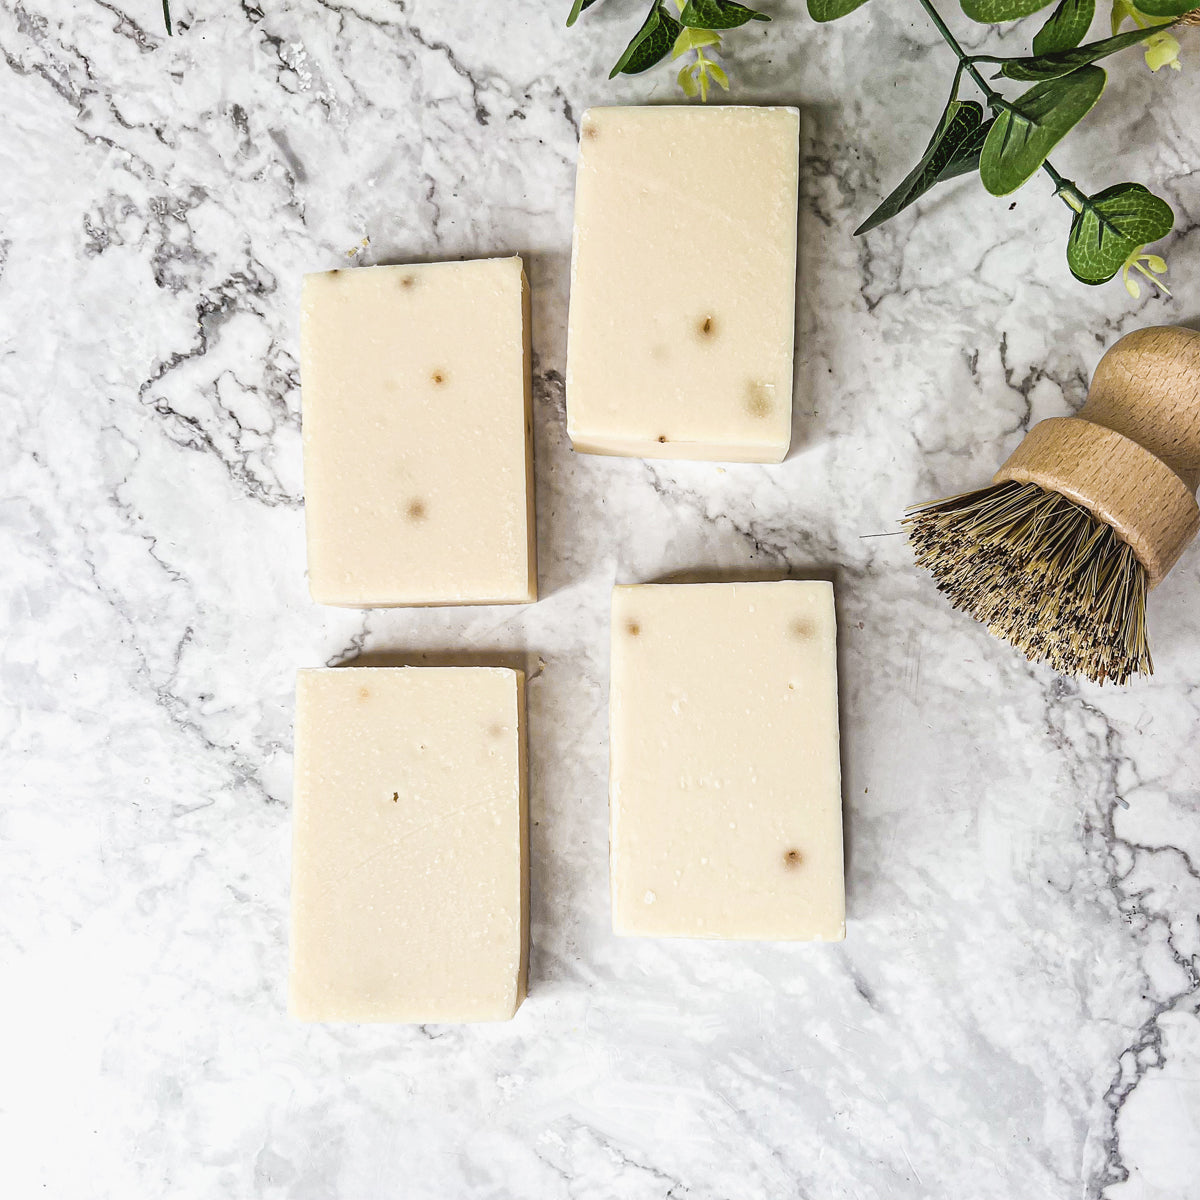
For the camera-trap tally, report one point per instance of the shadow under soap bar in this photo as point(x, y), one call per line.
point(409, 864)
point(417, 460)
point(683, 283)
point(726, 803)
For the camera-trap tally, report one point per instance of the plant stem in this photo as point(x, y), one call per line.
point(1065, 190)
point(994, 99)
point(702, 63)
point(167, 15)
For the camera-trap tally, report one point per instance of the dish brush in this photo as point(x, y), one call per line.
point(1087, 515)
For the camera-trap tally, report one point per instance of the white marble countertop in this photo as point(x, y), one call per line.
point(1014, 1011)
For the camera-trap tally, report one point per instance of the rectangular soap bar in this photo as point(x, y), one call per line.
point(725, 784)
point(417, 463)
point(683, 283)
point(409, 876)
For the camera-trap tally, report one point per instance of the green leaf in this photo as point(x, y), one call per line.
point(1028, 128)
point(687, 80)
point(651, 44)
point(1113, 224)
point(1066, 28)
point(717, 14)
point(578, 7)
point(830, 10)
point(1063, 62)
point(694, 39)
point(718, 73)
point(1165, 8)
point(992, 12)
point(953, 150)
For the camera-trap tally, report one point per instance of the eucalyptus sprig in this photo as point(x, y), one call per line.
point(1007, 139)
point(1110, 228)
point(692, 28)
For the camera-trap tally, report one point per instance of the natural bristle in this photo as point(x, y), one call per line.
point(1040, 571)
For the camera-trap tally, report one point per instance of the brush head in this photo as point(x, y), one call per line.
point(1041, 572)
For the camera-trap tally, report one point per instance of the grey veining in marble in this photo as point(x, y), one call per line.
point(1014, 1012)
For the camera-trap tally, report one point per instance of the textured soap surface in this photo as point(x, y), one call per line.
point(725, 774)
point(409, 876)
point(417, 466)
point(683, 283)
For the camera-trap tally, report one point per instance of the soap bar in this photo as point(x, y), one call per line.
point(409, 876)
point(417, 463)
point(683, 283)
point(725, 792)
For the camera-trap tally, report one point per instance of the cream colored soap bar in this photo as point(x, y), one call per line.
point(417, 464)
point(409, 878)
point(683, 283)
point(726, 801)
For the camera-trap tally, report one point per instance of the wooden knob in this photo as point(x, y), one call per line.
point(1147, 387)
point(1132, 454)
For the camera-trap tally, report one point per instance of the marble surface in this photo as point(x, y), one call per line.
point(1014, 1011)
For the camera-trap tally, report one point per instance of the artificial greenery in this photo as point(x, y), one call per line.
point(692, 28)
point(1006, 139)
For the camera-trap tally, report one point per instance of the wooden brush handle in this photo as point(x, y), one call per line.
point(1147, 387)
point(1132, 454)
